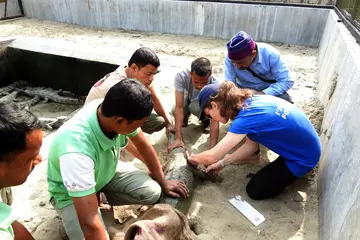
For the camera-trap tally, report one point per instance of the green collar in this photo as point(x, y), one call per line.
point(105, 142)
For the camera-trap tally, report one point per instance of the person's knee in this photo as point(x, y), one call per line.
point(152, 193)
point(71, 222)
point(194, 108)
point(255, 191)
point(252, 193)
point(159, 124)
point(155, 124)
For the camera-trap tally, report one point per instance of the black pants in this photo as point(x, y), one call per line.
point(270, 180)
point(285, 96)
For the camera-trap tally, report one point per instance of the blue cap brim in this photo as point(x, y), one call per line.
point(204, 96)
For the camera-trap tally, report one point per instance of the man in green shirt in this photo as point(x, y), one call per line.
point(20, 142)
point(83, 161)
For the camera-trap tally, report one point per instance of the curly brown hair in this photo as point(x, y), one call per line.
point(230, 99)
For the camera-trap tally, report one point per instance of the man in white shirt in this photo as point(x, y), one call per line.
point(142, 66)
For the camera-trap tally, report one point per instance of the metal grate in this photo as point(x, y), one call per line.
point(351, 10)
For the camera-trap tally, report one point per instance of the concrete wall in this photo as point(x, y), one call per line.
point(339, 91)
point(290, 25)
point(314, 2)
point(13, 9)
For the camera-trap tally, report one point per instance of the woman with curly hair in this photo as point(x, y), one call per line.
point(261, 119)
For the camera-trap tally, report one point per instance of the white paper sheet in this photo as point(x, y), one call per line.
point(247, 210)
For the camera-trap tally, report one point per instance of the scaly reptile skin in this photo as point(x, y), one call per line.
point(51, 94)
point(9, 98)
point(11, 87)
point(53, 123)
point(29, 103)
point(177, 168)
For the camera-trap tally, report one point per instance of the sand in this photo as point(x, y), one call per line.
point(292, 215)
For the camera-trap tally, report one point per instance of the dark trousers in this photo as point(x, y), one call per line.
point(286, 97)
point(270, 180)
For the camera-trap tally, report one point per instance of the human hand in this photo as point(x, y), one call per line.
point(169, 128)
point(216, 167)
point(175, 144)
point(175, 188)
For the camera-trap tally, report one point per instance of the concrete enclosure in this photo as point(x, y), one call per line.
point(339, 73)
point(13, 9)
point(339, 87)
point(49, 70)
point(290, 25)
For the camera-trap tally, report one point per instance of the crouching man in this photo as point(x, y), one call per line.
point(187, 87)
point(83, 161)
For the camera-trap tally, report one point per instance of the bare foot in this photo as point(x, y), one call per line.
point(253, 159)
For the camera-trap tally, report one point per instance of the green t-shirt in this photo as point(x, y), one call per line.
point(83, 135)
point(6, 219)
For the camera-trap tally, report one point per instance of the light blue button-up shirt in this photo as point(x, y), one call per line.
point(267, 64)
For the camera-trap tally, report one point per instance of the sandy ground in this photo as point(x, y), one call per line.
point(292, 215)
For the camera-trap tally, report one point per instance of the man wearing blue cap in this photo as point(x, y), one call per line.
point(257, 66)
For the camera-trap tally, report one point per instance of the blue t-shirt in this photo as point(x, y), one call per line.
point(281, 127)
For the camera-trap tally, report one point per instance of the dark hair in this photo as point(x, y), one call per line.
point(129, 99)
point(15, 124)
point(230, 98)
point(144, 56)
point(201, 66)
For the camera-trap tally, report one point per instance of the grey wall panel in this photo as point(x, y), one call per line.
point(291, 25)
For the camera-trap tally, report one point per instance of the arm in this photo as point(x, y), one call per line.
point(214, 133)
point(87, 212)
point(20, 232)
point(179, 114)
point(229, 70)
point(158, 107)
point(179, 118)
point(236, 157)
point(78, 174)
point(246, 150)
point(133, 150)
point(148, 153)
point(225, 145)
point(281, 75)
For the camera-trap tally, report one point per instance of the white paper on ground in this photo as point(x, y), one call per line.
point(247, 210)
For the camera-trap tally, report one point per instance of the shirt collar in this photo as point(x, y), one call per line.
point(8, 216)
point(105, 142)
point(258, 58)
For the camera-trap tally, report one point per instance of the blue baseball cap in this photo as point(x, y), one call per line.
point(205, 94)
